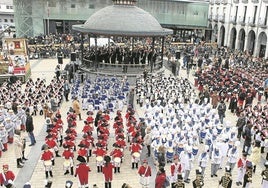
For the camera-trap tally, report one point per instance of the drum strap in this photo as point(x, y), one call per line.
point(145, 170)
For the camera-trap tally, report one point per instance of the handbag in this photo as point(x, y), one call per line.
point(143, 178)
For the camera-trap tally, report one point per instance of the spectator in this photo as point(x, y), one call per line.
point(76, 107)
point(247, 138)
point(66, 88)
point(148, 141)
point(18, 147)
point(30, 127)
point(241, 122)
point(221, 111)
point(255, 155)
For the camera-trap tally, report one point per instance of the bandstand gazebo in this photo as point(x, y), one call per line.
point(123, 19)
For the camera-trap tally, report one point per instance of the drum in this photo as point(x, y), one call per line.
point(99, 158)
point(136, 154)
point(48, 163)
point(219, 129)
point(66, 163)
point(170, 153)
point(117, 159)
point(195, 150)
point(180, 149)
point(230, 144)
point(203, 134)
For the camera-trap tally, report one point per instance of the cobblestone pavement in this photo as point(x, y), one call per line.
point(33, 170)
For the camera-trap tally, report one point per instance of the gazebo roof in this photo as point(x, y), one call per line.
point(122, 19)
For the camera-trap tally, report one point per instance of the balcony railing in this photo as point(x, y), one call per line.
point(244, 1)
point(237, 1)
point(242, 21)
point(217, 2)
point(233, 20)
point(215, 18)
point(210, 18)
point(265, 1)
point(224, 2)
point(211, 2)
point(222, 18)
point(262, 24)
point(251, 22)
point(255, 1)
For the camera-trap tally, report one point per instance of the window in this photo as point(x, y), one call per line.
point(0, 20)
point(11, 20)
point(5, 20)
point(72, 5)
point(255, 12)
point(91, 6)
point(266, 15)
point(245, 13)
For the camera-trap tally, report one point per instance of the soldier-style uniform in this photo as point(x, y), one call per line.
point(264, 174)
point(198, 182)
point(226, 180)
point(248, 175)
point(179, 183)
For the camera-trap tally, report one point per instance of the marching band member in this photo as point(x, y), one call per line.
point(48, 160)
point(264, 174)
point(145, 173)
point(82, 151)
point(87, 141)
point(3, 137)
point(199, 181)
point(187, 162)
point(82, 171)
point(215, 161)
point(241, 165)
point(68, 163)
point(117, 155)
point(7, 177)
point(226, 180)
point(248, 175)
point(175, 170)
point(203, 159)
point(107, 170)
point(100, 152)
point(21, 115)
point(232, 155)
point(10, 127)
point(52, 144)
point(135, 149)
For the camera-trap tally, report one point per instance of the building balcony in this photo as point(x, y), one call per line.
point(262, 24)
point(265, 1)
point(221, 18)
point(224, 2)
point(242, 22)
point(236, 1)
point(251, 22)
point(233, 20)
point(244, 1)
point(215, 18)
point(255, 1)
point(217, 2)
point(210, 18)
point(211, 2)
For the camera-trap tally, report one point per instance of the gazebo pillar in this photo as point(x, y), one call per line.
point(82, 48)
point(162, 54)
point(96, 55)
point(152, 63)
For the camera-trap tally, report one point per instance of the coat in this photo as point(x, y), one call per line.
point(82, 172)
point(160, 180)
point(255, 155)
point(29, 123)
point(9, 175)
point(18, 146)
point(107, 171)
point(76, 106)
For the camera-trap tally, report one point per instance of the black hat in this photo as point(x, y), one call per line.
point(98, 145)
point(180, 177)
point(228, 169)
point(266, 164)
point(81, 159)
point(44, 146)
point(67, 138)
point(107, 158)
point(198, 171)
point(162, 169)
point(49, 136)
point(244, 154)
point(81, 145)
point(68, 184)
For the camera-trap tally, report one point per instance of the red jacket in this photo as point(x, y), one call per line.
point(117, 153)
point(82, 172)
point(142, 170)
point(99, 152)
point(160, 180)
point(82, 152)
point(51, 143)
point(67, 154)
point(135, 148)
point(107, 170)
point(47, 155)
point(173, 168)
point(9, 175)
